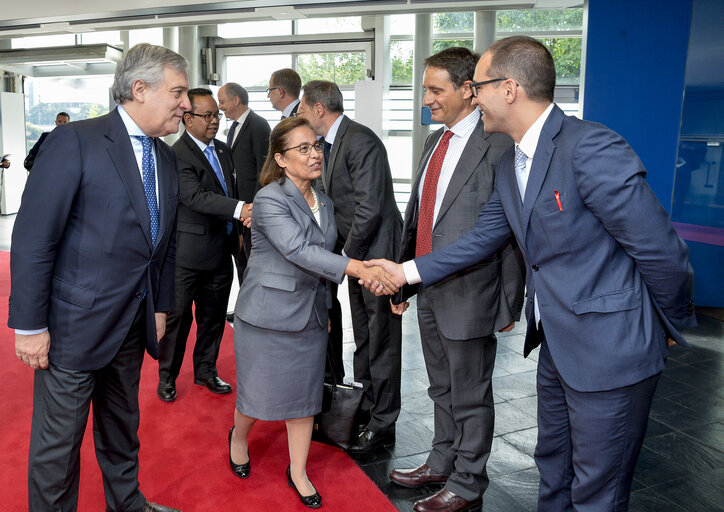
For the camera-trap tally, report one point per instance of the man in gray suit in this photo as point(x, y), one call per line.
point(356, 176)
point(458, 316)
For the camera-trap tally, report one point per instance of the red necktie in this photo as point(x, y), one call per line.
point(423, 244)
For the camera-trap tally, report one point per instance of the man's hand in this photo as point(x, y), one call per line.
point(508, 328)
point(376, 280)
point(33, 350)
point(246, 214)
point(5, 163)
point(160, 325)
point(671, 342)
point(400, 308)
point(392, 269)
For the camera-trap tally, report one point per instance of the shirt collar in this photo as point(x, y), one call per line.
point(466, 125)
point(332, 133)
point(200, 144)
point(243, 116)
point(288, 111)
point(530, 140)
point(131, 126)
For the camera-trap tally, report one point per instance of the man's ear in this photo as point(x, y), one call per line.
point(319, 109)
point(511, 90)
point(467, 93)
point(138, 90)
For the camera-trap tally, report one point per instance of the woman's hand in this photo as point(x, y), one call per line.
point(372, 278)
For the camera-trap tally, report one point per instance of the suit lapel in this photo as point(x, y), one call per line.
point(473, 153)
point(329, 166)
point(293, 192)
point(228, 172)
point(124, 160)
point(203, 161)
point(241, 129)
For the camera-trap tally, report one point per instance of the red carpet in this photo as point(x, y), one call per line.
point(184, 447)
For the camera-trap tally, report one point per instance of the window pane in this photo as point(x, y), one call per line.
point(112, 37)
point(402, 24)
point(401, 58)
point(329, 25)
point(447, 22)
point(440, 44)
point(566, 53)
point(341, 68)
point(254, 29)
point(540, 19)
point(43, 41)
point(255, 70)
point(145, 35)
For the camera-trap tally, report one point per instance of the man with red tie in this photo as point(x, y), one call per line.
point(458, 316)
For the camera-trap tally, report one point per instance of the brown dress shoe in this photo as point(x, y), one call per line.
point(416, 477)
point(446, 501)
point(154, 507)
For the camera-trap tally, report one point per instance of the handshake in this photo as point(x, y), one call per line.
point(381, 277)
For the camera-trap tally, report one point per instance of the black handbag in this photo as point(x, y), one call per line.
point(336, 424)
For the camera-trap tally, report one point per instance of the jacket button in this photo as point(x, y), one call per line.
point(535, 268)
point(139, 295)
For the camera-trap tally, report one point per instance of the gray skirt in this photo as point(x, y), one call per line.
point(279, 374)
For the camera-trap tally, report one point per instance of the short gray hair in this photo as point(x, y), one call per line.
point(326, 93)
point(144, 62)
point(235, 90)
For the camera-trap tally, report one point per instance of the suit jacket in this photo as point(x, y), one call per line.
point(30, 159)
point(487, 296)
point(612, 277)
point(290, 263)
point(204, 210)
point(82, 254)
point(249, 151)
point(358, 180)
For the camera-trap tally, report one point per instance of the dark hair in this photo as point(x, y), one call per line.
point(528, 62)
point(459, 63)
point(326, 93)
point(278, 140)
point(195, 93)
point(237, 91)
point(287, 79)
point(62, 114)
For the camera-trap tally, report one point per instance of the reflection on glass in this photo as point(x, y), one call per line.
point(329, 25)
point(699, 184)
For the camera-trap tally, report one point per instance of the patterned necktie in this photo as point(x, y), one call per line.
point(149, 183)
point(211, 156)
point(423, 244)
point(230, 137)
point(520, 160)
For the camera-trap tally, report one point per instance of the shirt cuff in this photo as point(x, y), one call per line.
point(411, 273)
point(29, 333)
point(237, 210)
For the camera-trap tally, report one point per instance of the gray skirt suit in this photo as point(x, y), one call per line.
point(280, 324)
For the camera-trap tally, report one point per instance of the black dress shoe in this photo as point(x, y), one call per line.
point(214, 384)
point(153, 507)
point(166, 390)
point(369, 441)
point(313, 501)
point(240, 470)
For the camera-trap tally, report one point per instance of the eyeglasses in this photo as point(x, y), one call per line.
point(305, 148)
point(270, 89)
point(474, 86)
point(207, 117)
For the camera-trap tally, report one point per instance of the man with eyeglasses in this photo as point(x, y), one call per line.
point(459, 316)
point(283, 91)
point(609, 281)
point(248, 139)
point(207, 237)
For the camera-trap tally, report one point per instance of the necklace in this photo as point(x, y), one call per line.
point(315, 206)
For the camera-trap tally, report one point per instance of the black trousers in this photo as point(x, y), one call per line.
point(334, 340)
point(209, 291)
point(61, 403)
point(377, 355)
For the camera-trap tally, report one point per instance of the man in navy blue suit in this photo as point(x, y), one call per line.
point(609, 282)
point(92, 278)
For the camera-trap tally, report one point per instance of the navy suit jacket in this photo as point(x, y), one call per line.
point(81, 254)
point(612, 277)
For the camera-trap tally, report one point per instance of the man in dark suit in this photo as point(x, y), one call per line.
point(609, 282)
point(356, 176)
point(283, 92)
point(60, 119)
point(92, 269)
point(459, 315)
point(248, 139)
point(206, 239)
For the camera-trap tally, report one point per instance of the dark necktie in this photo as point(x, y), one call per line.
point(423, 244)
point(232, 130)
point(149, 183)
point(211, 157)
point(283, 117)
point(327, 151)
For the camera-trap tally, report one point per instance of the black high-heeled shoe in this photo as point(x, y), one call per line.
point(240, 470)
point(313, 501)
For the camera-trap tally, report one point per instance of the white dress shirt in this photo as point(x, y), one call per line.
point(240, 120)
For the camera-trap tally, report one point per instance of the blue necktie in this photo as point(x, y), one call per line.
point(230, 137)
point(211, 156)
point(149, 183)
point(520, 160)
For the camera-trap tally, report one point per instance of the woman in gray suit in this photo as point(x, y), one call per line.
point(280, 325)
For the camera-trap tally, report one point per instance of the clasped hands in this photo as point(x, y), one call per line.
point(382, 277)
